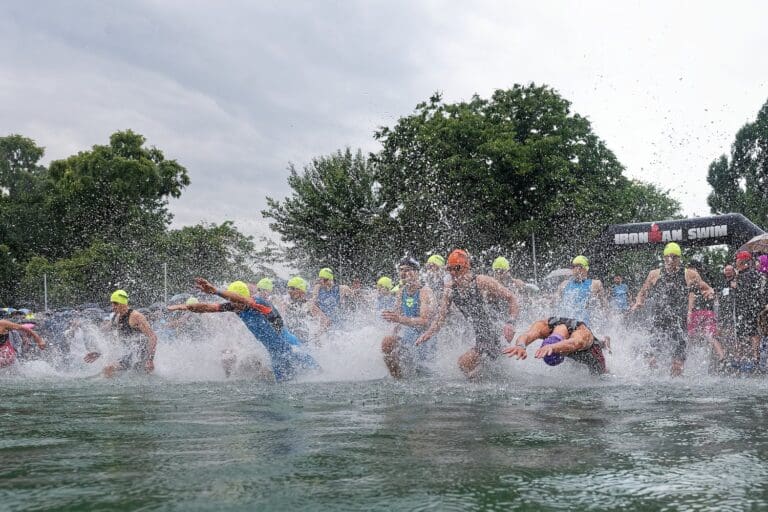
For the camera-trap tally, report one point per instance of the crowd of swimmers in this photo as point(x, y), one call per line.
point(498, 314)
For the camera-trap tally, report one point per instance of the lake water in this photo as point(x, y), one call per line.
point(527, 437)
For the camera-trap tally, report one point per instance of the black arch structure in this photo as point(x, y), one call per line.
point(732, 229)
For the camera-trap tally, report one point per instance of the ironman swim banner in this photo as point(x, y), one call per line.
point(731, 229)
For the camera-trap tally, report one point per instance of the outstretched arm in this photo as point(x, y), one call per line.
point(580, 339)
point(497, 290)
point(232, 297)
point(439, 320)
point(200, 307)
point(29, 332)
point(207, 287)
point(538, 330)
point(640, 299)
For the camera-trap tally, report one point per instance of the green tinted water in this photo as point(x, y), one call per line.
point(380, 445)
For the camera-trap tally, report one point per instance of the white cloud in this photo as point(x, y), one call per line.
point(236, 91)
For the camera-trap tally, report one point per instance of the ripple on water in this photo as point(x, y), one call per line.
point(428, 444)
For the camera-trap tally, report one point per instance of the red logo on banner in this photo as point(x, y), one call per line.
point(654, 235)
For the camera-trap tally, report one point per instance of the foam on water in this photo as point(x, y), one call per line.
point(354, 354)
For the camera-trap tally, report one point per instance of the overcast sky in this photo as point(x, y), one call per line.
point(236, 90)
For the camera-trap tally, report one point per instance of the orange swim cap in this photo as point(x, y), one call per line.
point(458, 258)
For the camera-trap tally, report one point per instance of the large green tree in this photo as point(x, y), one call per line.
point(485, 175)
point(116, 193)
point(99, 220)
point(332, 218)
point(740, 183)
point(19, 163)
point(218, 252)
point(488, 173)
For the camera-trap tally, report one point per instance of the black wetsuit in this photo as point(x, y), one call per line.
point(748, 302)
point(134, 340)
point(591, 356)
point(470, 302)
point(668, 299)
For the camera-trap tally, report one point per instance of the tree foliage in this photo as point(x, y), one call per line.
point(332, 218)
point(486, 175)
point(116, 193)
point(19, 162)
point(740, 183)
point(99, 220)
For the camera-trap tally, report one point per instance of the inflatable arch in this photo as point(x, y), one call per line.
point(732, 229)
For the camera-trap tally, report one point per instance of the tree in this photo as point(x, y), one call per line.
point(90, 275)
point(740, 184)
point(484, 175)
point(9, 276)
point(19, 157)
point(220, 253)
point(487, 174)
point(332, 219)
point(22, 222)
point(116, 193)
point(99, 220)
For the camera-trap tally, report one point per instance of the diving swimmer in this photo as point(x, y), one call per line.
point(264, 322)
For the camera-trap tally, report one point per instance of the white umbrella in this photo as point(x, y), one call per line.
point(757, 244)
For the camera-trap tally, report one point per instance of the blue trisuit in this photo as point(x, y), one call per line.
point(285, 349)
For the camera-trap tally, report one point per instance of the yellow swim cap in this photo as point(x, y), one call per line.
point(385, 282)
point(581, 260)
point(298, 283)
point(436, 259)
point(119, 297)
point(265, 284)
point(191, 301)
point(239, 288)
point(672, 249)
point(325, 273)
point(500, 263)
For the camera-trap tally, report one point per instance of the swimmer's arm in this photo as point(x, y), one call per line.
point(200, 307)
point(325, 322)
point(640, 299)
point(11, 326)
point(442, 314)
point(538, 330)
point(234, 297)
point(317, 312)
point(427, 307)
point(694, 279)
point(394, 315)
point(347, 293)
point(581, 339)
point(139, 321)
point(425, 311)
point(496, 289)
